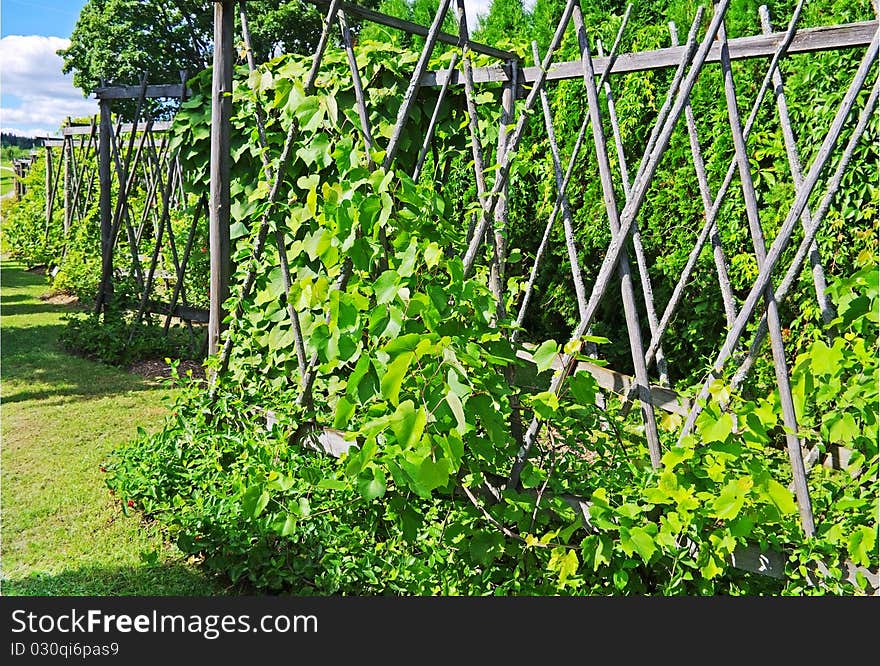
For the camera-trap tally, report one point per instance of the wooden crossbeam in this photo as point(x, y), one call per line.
point(415, 29)
point(158, 126)
point(809, 40)
point(133, 92)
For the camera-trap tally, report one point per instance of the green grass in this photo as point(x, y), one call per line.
point(6, 177)
point(62, 532)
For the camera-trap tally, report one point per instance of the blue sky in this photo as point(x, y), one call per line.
point(35, 97)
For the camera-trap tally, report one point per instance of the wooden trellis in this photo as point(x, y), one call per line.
point(105, 163)
point(689, 61)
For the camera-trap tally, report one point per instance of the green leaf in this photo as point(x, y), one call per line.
point(843, 429)
point(717, 431)
point(781, 497)
point(237, 230)
point(861, 544)
point(289, 525)
point(344, 411)
point(732, 498)
point(394, 375)
point(545, 355)
point(254, 501)
point(640, 541)
point(408, 424)
point(455, 405)
point(433, 474)
point(433, 254)
point(824, 360)
point(385, 287)
point(371, 483)
point(485, 547)
point(584, 388)
point(545, 404)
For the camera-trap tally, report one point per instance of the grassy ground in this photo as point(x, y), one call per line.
point(62, 533)
point(6, 177)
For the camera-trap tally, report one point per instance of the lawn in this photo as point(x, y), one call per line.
point(62, 532)
point(6, 177)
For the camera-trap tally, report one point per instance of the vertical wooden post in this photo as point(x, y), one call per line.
point(49, 201)
point(626, 287)
point(218, 224)
point(104, 178)
point(508, 97)
point(65, 155)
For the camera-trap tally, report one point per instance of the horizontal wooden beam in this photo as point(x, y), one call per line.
point(619, 383)
point(809, 40)
point(158, 126)
point(184, 312)
point(415, 28)
point(52, 143)
point(134, 92)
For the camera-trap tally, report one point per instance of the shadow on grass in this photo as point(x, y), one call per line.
point(15, 275)
point(31, 307)
point(146, 580)
point(35, 366)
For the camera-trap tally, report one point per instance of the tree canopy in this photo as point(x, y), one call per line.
point(117, 40)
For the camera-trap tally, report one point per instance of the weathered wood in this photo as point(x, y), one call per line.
point(415, 29)
point(476, 145)
point(718, 255)
point(508, 101)
point(283, 162)
point(826, 307)
point(170, 90)
point(409, 96)
point(574, 263)
point(105, 288)
point(429, 135)
point(503, 172)
point(630, 211)
point(124, 128)
point(50, 193)
point(635, 232)
point(623, 268)
point(180, 285)
point(711, 217)
point(183, 312)
point(561, 197)
point(794, 269)
point(219, 201)
point(822, 38)
point(280, 242)
point(322, 45)
point(66, 149)
point(616, 382)
point(357, 84)
point(783, 384)
point(784, 234)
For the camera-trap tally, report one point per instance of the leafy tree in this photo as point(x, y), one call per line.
point(506, 21)
point(117, 40)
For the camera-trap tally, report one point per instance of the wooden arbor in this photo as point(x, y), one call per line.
point(688, 60)
point(130, 172)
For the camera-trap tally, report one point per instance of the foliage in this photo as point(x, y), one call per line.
point(25, 230)
point(115, 339)
point(63, 535)
point(414, 368)
point(110, 41)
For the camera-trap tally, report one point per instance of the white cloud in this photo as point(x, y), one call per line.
point(36, 94)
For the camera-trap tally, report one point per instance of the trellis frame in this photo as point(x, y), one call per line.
point(690, 59)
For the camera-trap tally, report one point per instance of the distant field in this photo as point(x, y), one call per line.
point(6, 175)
